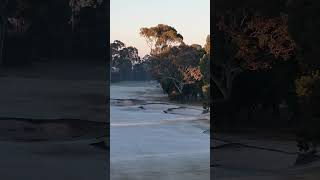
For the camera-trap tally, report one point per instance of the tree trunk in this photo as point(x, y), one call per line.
point(177, 83)
point(220, 87)
point(229, 75)
point(3, 27)
point(3, 30)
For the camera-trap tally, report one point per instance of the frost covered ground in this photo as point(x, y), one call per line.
point(250, 157)
point(152, 138)
point(38, 138)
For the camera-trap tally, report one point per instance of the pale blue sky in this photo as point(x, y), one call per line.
point(191, 18)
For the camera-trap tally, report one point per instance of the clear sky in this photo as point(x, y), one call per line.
point(191, 18)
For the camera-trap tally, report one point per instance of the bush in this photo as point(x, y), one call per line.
point(308, 86)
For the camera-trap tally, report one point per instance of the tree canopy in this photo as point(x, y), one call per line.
point(128, 62)
point(176, 65)
point(160, 37)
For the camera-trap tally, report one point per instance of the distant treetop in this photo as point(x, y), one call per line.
point(160, 37)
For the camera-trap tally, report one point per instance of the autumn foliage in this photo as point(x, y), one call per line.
point(260, 41)
point(176, 65)
point(192, 74)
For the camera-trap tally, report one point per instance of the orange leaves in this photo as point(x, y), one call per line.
point(259, 40)
point(272, 35)
point(192, 74)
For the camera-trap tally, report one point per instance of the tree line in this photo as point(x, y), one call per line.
point(52, 28)
point(126, 64)
point(266, 55)
point(182, 70)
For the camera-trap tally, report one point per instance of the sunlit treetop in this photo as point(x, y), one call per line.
point(160, 37)
point(207, 46)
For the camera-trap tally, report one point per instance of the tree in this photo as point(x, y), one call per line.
point(43, 21)
point(174, 64)
point(133, 54)
point(205, 62)
point(269, 36)
point(177, 66)
point(305, 33)
point(77, 5)
point(207, 46)
point(160, 37)
point(3, 26)
point(253, 42)
point(204, 67)
point(124, 58)
point(121, 53)
point(115, 48)
point(28, 21)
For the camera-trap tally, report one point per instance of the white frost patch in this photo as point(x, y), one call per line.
point(186, 111)
point(162, 107)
